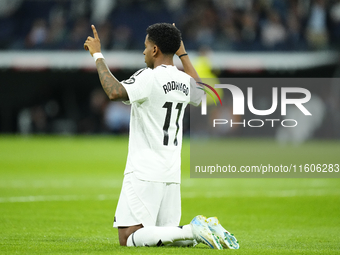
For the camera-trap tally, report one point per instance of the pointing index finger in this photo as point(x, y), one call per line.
point(94, 32)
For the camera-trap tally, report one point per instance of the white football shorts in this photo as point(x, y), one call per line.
point(148, 203)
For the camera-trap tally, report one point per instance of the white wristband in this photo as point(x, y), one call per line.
point(97, 55)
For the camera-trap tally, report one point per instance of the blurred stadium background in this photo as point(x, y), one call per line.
point(48, 83)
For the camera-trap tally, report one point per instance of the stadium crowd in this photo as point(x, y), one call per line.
point(229, 25)
point(221, 25)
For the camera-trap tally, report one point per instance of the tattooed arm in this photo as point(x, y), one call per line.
point(112, 87)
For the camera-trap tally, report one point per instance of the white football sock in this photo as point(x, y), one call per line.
point(158, 236)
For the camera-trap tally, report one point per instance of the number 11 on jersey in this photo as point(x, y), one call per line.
point(168, 107)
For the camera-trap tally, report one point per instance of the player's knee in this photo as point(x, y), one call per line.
point(124, 233)
point(123, 236)
point(122, 240)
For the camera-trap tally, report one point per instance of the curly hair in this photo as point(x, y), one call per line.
point(166, 36)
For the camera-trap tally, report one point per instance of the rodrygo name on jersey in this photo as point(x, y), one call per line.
point(175, 86)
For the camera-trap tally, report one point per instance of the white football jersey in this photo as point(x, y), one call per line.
point(158, 98)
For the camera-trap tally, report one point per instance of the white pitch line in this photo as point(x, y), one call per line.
point(60, 183)
point(185, 194)
point(55, 198)
point(269, 193)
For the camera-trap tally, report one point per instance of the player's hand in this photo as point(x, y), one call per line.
point(181, 49)
point(93, 44)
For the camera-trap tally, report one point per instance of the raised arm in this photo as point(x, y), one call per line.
point(112, 87)
point(187, 65)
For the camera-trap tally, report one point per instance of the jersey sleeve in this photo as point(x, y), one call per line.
point(195, 93)
point(138, 86)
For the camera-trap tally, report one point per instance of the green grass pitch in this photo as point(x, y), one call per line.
point(58, 196)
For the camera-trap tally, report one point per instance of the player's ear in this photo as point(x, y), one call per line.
point(155, 50)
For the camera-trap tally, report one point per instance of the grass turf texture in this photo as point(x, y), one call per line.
point(58, 196)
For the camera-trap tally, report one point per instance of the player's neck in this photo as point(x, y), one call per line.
point(164, 60)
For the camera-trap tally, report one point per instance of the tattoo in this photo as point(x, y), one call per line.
point(112, 87)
